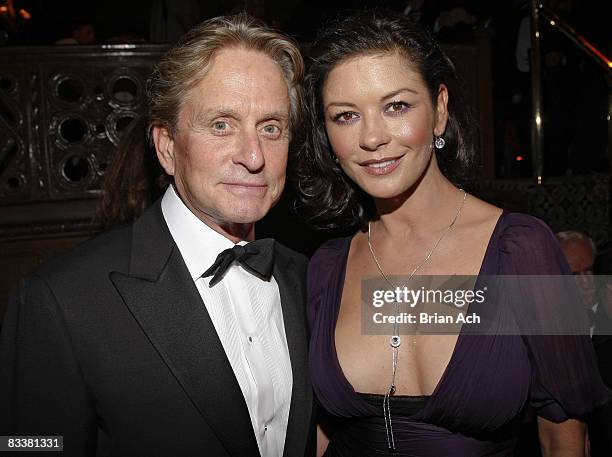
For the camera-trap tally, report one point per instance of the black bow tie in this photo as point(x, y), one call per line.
point(256, 257)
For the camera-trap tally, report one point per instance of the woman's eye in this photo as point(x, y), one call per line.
point(345, 118)
point(396, 107)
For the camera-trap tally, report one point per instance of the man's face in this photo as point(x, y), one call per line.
point(229, 153)
point(581, 258)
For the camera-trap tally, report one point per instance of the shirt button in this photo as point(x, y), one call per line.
point(250, 339)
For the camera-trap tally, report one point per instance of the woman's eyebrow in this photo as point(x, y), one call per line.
point(384, 97)
point(399, 91)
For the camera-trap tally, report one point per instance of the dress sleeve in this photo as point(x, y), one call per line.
point(565, 380)
point(314, 291)
point(321, 269)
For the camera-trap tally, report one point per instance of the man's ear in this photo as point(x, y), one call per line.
point(164, 147)
point(441, 110)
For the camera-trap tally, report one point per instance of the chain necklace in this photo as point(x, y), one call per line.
point(395, 341)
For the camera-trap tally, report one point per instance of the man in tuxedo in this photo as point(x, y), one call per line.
point(179, 335)
point(582, 256)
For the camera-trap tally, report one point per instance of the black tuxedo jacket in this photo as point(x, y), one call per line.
point(112, 347)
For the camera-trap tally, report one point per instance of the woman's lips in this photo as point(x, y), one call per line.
point(381, 167)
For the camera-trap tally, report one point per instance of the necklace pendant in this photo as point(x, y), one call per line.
point(395, 341)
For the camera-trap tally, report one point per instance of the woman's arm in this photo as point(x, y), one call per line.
point(565, 439)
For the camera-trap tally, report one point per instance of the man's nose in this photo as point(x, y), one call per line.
point(250, 152)
point(373, 133)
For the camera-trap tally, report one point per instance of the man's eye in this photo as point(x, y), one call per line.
point(272, 129)
point(221, 126)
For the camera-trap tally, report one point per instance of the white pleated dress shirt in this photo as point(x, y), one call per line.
point(247, 315)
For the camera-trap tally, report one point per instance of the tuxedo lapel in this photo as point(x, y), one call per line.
point(292, 294)
point(162, 297)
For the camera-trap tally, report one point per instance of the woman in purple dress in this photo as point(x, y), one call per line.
point(387, 142)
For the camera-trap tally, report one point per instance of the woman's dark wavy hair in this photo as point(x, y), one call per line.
point(134, 178)
point(326, 195)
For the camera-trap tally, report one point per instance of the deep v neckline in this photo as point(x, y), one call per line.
point(460, 338)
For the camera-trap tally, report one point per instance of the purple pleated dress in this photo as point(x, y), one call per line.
point(490, 381)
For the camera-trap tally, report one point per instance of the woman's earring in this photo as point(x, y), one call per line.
point(439, 142)
point(336, 159)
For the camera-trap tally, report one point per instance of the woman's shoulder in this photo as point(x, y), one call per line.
point(505, 230)
point(327, 262)
point(506, 223)
point(331, 251)
point(516, 219)
point(325, 274)
point(524, 229)
point(527, 245)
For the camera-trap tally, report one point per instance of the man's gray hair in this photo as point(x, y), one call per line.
point(567, 236)
point(184, 66)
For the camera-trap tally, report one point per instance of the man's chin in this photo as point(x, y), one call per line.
point(248, 215)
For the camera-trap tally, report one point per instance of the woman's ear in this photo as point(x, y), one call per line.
point(164, 147)
point(441, 111)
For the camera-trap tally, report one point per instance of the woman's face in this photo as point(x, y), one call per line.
point(380, 122)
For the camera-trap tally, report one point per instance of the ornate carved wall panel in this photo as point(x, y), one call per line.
point(62, 111)
point(15, 168)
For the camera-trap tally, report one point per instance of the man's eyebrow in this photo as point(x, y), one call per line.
point(281, 115)
point(199, 117)
point(203, 115)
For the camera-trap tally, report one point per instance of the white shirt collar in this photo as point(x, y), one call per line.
point(199, 244)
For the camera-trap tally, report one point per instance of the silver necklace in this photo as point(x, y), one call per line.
point(395, 341)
